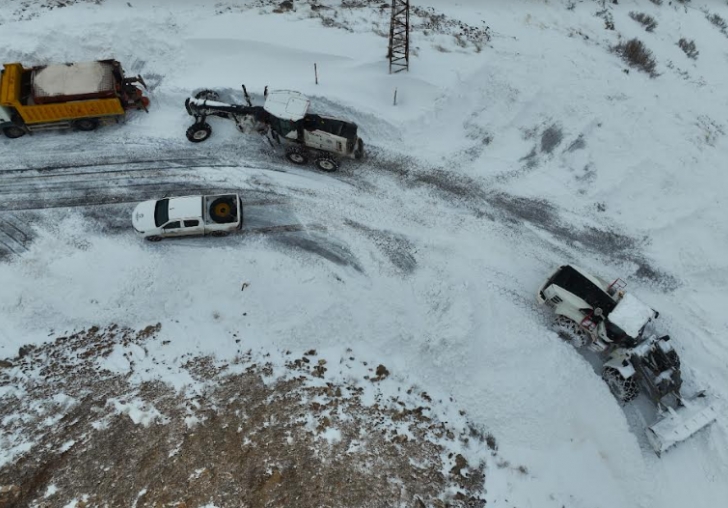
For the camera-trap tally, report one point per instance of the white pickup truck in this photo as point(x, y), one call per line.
point(215, 215)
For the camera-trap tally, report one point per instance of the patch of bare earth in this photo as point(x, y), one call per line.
point(237, 437)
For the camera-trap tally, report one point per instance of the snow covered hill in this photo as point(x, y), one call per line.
point(520, 140)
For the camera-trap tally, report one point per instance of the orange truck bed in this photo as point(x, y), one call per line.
point(16, 91)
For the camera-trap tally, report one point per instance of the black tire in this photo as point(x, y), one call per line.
point(327, 164)
point(626, 390)
point(86, 124)
point(570, 331)
point(359, 152)
point(14, 132)
point(297, 156)
point(223, 210)
point(199, 132)
point(210, 95)
point(673, 360)
point(153, 238)
point(219, 234)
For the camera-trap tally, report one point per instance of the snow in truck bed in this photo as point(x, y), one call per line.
point(631, 315)
point(73, 79)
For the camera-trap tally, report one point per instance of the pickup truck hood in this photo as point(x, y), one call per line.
point(142, 218)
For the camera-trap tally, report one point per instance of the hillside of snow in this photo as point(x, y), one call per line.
point(377, 319)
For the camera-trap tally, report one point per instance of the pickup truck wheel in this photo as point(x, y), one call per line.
point(199, 132)
point(326, 163)
point(153, 238)
point(14, 132)
point(207, 95)
point(219, 234)
point(86, 125)
point(297, 156)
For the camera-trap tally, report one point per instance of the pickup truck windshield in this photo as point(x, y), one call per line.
point(161, 212)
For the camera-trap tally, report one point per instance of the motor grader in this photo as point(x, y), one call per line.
point(285, 121)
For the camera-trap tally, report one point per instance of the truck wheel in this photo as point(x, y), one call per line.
point(297, 156)
point(625, 390)
point(14, 132)
point(86, 125)
point(222, 210)
point(359, 152)
point(219, 234)
point(199, 132)
point(153, 238)
point(569, 330)
point(326, 163)
point(207, 95)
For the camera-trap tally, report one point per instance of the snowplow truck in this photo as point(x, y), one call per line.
point(284, 120)
point(615, 324)
point(80, 96)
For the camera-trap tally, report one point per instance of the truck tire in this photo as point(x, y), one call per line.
point(153, 238)
point(297, 156)
point(207, 95)
point(626, 390)
point(199, 132)
point(14, 132)
point(222, 210)
point(570, 331)
point(359, 152)
point(86, 124)
point(327, 164)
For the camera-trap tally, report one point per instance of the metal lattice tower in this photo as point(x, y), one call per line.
point(399, 36)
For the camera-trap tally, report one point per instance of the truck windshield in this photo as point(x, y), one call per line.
point(161, 212)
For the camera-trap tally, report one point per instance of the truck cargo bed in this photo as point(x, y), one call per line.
point(72, 82)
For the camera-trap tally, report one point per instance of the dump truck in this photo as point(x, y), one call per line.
point(80, 96)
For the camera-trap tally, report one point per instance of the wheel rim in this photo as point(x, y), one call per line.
point(201, 134)
point(326, 165)
point(296, 157)
point(222, 209)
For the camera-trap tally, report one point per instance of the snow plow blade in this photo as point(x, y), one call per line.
point(679, 424)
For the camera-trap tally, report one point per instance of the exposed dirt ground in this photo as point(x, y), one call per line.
point(241, 437)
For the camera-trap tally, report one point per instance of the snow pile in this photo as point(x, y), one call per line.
point(73, 79)
point(494, 166)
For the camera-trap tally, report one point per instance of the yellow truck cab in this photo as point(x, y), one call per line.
point(80, 96)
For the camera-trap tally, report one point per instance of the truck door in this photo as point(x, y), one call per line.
point(173, 228)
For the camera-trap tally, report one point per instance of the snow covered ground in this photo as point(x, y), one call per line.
point(499, 162)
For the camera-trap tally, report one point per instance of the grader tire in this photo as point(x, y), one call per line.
point(207, 95)
point(199, 132)
point(327, 164)
point(297, 156)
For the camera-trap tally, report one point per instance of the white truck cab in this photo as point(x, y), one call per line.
point(215, 215)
